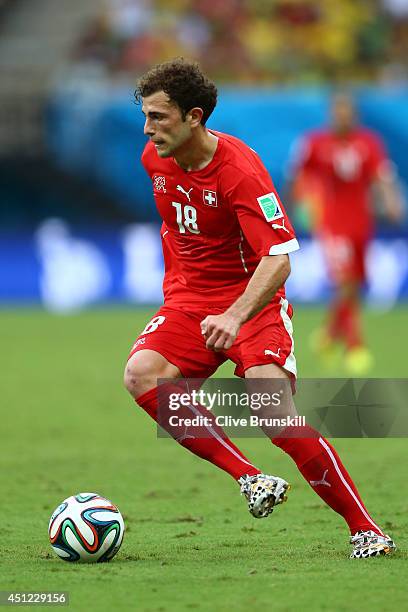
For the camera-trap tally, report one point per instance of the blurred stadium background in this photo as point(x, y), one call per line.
point(78, 224)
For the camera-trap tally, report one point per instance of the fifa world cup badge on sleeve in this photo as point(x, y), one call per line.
point(270, 206)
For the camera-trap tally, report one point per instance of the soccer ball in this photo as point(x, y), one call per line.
point(87, 528)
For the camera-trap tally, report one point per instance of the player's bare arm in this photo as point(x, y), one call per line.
point(387, 185)
point(221, 330)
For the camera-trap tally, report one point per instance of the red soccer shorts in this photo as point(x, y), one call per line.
point(345, 257)
point(176, 334)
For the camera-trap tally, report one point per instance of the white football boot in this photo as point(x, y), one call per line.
point(263, 493)
point(370, 544)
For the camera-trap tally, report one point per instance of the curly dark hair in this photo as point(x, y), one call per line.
point(183, 82)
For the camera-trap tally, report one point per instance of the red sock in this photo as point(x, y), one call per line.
point(344, 322)
point(352, 325)
point(208, 442)
point(321, 466)
point(335, 322)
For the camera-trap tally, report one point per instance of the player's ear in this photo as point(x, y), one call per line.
point(195, 115)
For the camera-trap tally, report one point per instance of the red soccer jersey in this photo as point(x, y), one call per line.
point(345, 167)
point(218, 223)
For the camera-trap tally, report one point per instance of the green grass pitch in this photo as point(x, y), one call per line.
point(67, 425)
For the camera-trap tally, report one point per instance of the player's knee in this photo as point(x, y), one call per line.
point(143, 369)
point(139, 376)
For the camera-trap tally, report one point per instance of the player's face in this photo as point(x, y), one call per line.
point(343, 113)
point(164, 124)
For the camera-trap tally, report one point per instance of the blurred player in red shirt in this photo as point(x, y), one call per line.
point(226, 239)
point(335, 171)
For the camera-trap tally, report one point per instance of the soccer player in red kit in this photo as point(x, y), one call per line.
point(339, 166)
point(226, 240)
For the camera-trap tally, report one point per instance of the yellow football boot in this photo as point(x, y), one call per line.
point(358, 361)
point(328, 351)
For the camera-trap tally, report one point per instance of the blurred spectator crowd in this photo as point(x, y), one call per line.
point(247, 41)
point(5, 5)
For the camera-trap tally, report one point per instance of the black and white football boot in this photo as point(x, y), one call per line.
point(370, 544)
point(263, 493)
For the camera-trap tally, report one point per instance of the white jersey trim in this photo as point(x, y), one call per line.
point(241, 252)
point(284, 247)
point(290, 363)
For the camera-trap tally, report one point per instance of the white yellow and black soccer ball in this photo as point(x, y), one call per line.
point(86, 528)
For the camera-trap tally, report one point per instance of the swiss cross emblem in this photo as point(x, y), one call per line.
point(159, 183)
point(210, 197)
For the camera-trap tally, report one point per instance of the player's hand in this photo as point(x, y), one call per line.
point(220, 331)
